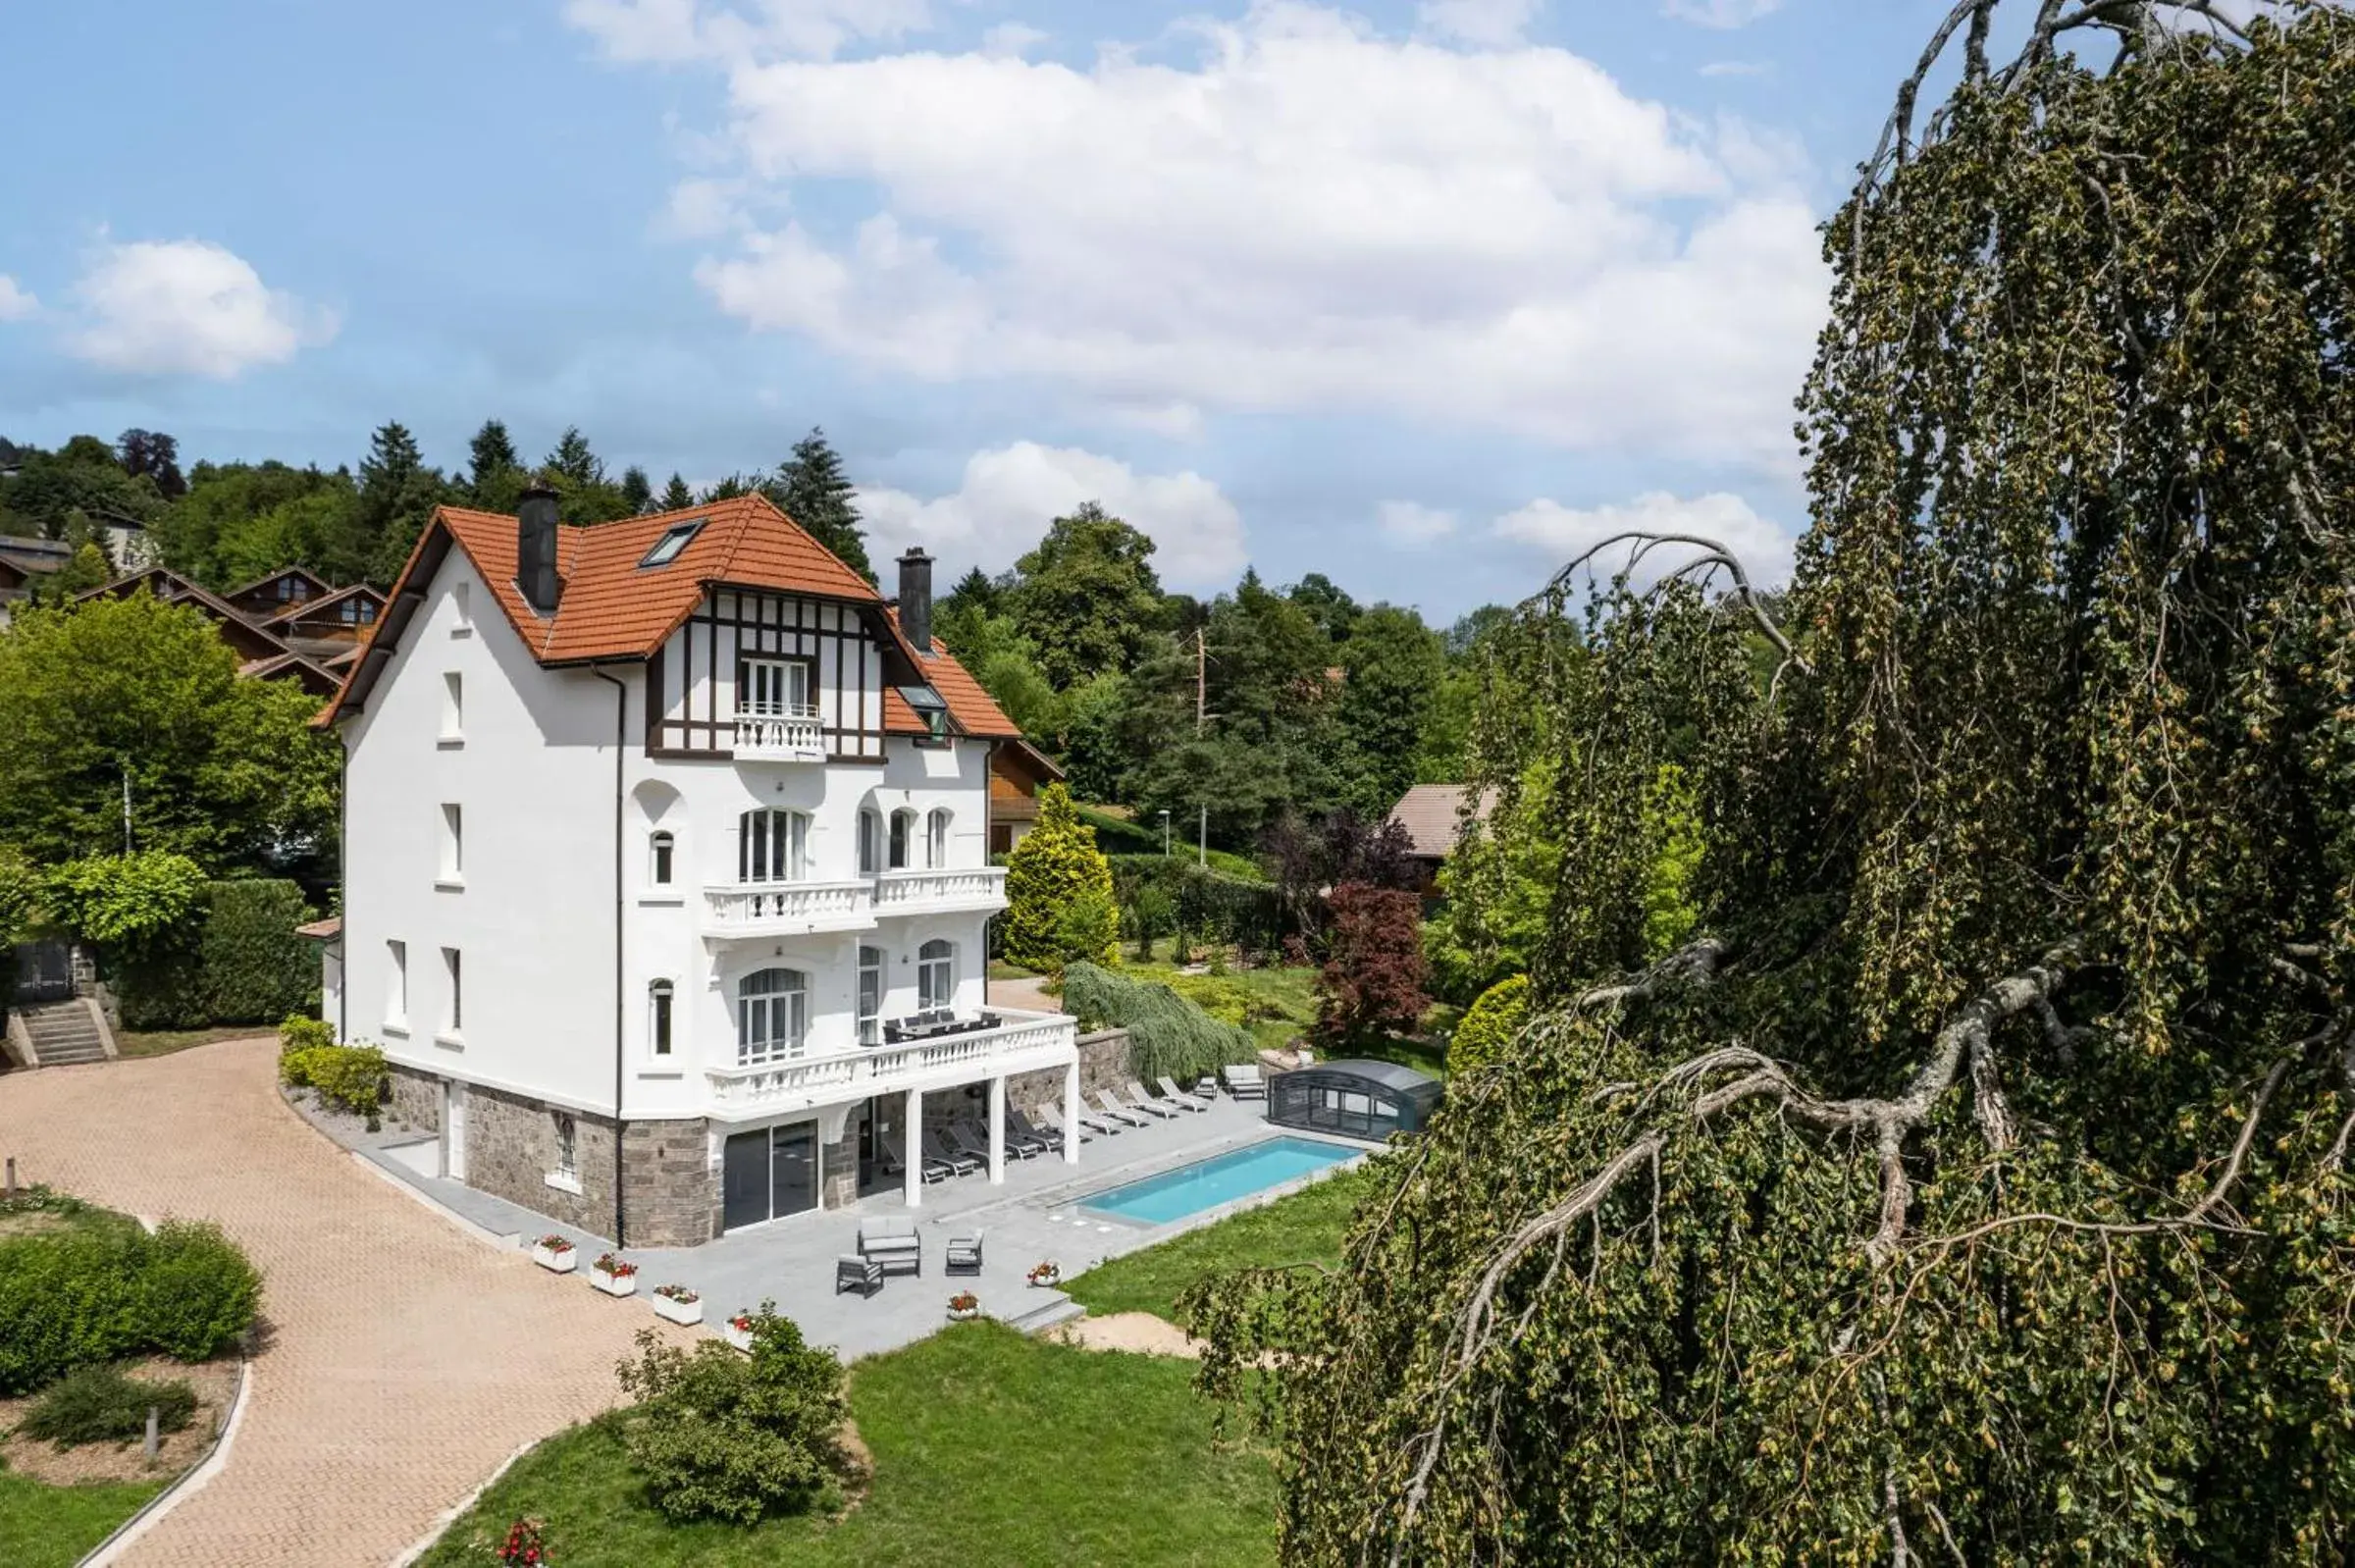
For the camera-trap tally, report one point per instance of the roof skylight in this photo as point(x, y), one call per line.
point(666, 549)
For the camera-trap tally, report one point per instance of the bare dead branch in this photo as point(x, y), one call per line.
point(1713, 555)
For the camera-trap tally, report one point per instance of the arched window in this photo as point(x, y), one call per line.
point(657, 1018)
point(772, 847)
point(772, 1012)
point(659, 852)
point(903, 833)
point(935, 975)
point(936, 840)
point(870, 995)
point(871, 841)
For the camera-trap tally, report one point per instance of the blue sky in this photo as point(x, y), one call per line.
point(1418, 294)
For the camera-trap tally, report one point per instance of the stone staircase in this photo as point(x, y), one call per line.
point(65, 1034)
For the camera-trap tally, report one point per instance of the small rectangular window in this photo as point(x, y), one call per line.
point(659, 873)
point(461, 606)
point(666, 549)
point(659, 1022)
point(397, 983)
point(454, 842)
point(567, 1146)
point(455, 1018)
point(453, 706)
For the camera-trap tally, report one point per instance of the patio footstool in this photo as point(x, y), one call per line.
point(862, 1274)
point(964, 1254)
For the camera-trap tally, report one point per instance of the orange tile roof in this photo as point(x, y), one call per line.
point(612, 608)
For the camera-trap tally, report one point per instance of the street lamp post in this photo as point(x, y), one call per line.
point(1164, 832)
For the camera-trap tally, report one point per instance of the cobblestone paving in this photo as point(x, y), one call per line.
point(400, 1361)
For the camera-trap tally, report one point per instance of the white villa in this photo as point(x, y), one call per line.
point(667, 871)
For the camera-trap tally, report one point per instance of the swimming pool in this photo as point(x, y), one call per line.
point(1221, 1179)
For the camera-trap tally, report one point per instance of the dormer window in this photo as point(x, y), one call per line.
point(929, 709)
point(666, 549)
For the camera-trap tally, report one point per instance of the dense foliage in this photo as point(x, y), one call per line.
point(1490, 1025)
point(135, 693)
point(1059, 902)
point(715, 1434)
point(1168, 1035)
point(1972, 1188)
point(122, 902)
point(232, 957)
point(1372, 983)
point(350, 1077)
point(100, 1288)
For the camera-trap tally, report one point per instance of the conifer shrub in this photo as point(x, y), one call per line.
point(1488, 1031)
point(1058, 904)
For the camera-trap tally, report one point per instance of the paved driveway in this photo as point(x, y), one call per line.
point(403, 1360)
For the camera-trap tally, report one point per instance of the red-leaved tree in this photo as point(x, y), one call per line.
point(1372, 982)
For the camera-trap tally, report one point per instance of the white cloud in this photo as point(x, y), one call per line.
point(1011, 38)
point(1721, 14)
point(1407, 523)
point(1010, 494)
point(15, 304)
point(1562, 532)
point(670, 32)
point(186, 308)
point(1736, 68)
point(1307, 215)
point(1489, 22)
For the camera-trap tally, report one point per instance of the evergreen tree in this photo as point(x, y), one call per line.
point(811, 489)
point(573, 460)
point(494, 471)
point(637, 492)
point(1392, 667)
point(151, 455)
point(676, 497)
point(397, 494)
point(1058, 886)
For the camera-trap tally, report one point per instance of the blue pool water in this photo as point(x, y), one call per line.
point(1221, 1179)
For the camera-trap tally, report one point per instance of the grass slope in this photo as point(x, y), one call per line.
point(1305, 1228)
point(990, 1448)
point(54, 1527)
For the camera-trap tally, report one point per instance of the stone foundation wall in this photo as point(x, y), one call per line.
point(511, 1147)
point(670, 1186)
point(1102, 1065)
point(416, 1100)
point(838, 1185)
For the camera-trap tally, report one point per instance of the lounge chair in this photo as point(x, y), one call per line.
point(895, 1160)
point(974, 1138)
point(938, 1146)
point(1019, 1127)
point(1112, 1107)
point(964, 1254)
point(1245, 1082)
point(1170, 1095)
point(1054, 1121)
point(1139, 1100)
point(1168, 1104)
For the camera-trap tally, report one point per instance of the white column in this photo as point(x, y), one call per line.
point(1071, 1113)
point(912, 1143)
point(997, 1130)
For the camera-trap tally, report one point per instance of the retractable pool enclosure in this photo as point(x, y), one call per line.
point(1356, 1099)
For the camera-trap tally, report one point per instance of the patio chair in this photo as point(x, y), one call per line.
point(964, 1254)
point(938, 1146)
point(1038, 1137)
point(1170, 1095)
point(1054, 1121)
point(1113, 1107)
point(1139, 1100)
point(1169, 1102)
point(974, 1138)
point(1020, 1132)
point(1245, 1082)
point(895, 1160)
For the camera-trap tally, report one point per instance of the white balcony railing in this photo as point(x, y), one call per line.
point(1022, 1042)
point(940, 892)
point(787, 909)
point(779, 732)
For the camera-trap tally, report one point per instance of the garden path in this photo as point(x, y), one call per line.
point(402, 1360)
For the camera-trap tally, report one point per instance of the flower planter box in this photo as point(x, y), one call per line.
point(615, 1285)
point(553, 1261)
point(1046, 1279)
point(686, 1314)
point(740, 1339)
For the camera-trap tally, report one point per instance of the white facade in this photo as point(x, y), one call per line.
point(764, 959)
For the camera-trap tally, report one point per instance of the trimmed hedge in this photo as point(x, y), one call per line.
point(1492, 1024)
point(104, 1289)
point(1209, 904)
point(235, 960)
point(1167, 1033)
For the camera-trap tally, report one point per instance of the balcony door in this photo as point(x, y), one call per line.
point(772, 847)
point(768, 1175)
point(767, 688)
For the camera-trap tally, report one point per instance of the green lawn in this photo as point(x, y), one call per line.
point(1305, 1228)
point(989, 1447)
point(54, 1527)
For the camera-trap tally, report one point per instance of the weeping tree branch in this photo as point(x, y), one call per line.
point(1712, 556)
